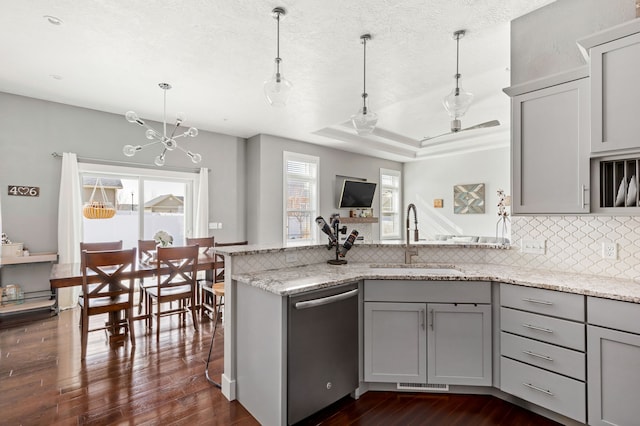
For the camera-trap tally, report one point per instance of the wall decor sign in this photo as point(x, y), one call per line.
point(468, 199)
point(24, 191)
point(438, 203)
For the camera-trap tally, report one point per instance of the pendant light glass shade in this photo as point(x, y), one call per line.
point(457, 102)
point(277, 89)
point(364, 121)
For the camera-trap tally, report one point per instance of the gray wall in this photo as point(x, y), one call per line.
point(32, 129)
point(543, 42)
point(264, 182)
point(427, 180)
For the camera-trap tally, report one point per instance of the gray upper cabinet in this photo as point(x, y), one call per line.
point(614, 56)
point(550, 145)
point(459, 344)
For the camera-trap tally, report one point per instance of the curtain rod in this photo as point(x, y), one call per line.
point(129, 164)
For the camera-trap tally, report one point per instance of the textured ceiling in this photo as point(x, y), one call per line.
point(110, 56)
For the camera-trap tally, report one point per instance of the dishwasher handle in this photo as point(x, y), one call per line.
point(326, 300)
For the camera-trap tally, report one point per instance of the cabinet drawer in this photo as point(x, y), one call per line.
point(549, 390)
point(547, 302)
point(614, 314)
point(547, 329)
point(427, 291)
point(550, 357)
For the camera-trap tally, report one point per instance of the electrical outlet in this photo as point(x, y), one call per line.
point(213, 225)
point(533, 246)
point(609, 251)
point(291, 257)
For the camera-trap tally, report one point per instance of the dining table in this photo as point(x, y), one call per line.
point(65, 275)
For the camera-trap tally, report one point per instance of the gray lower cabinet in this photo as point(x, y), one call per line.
point(459, 344)
point(395, 342)
point(453, 348)
point(613, 365)
point(542, 348)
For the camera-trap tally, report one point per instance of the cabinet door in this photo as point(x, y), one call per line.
point(550, 149)
point(615, 91)
point(395, 342)
point(613, 369)
point(459, 344)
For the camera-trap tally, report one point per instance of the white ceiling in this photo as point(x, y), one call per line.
point(111, 55)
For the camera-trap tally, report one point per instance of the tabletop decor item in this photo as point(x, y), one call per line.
point(163, 238)
point(503, 214)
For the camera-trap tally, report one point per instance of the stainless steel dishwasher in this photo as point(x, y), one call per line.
point(322, 346)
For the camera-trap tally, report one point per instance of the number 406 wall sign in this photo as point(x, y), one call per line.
point(24, 191)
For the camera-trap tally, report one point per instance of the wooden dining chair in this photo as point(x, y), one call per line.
point(105, 289)
point(204, 293)
point(146, 249)
point(217, 287)
point(101, 246)
point(176, 281)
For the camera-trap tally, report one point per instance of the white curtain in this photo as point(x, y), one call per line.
point(201, 228)
point(69, 224)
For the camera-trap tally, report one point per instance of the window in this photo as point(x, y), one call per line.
point(390, 204)
point(300, 198)
point(146, 201)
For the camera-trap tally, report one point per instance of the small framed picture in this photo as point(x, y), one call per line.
point(438, 203)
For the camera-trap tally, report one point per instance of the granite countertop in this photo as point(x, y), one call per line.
point(289, 281)
point(252, 249)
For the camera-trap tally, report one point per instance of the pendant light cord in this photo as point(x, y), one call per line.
point(457, 63)
point(164, 115)
point(364, 74)
point(278, 44)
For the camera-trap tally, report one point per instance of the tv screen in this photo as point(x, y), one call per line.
point(357, 195)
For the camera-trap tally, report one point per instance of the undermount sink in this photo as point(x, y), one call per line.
point(417, 268)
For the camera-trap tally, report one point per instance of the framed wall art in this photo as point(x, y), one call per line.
point(468, 199)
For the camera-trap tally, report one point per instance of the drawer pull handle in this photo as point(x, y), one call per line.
point(547, 358)
point(540, 302)
point(535, 327)
point(530, 386)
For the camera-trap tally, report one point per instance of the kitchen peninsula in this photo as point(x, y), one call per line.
point(261, 280)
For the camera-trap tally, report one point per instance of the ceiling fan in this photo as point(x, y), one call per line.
point(457, 101)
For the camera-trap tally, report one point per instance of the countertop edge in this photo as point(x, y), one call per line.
point(291, 281)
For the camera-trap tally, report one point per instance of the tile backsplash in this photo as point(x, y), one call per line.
point(573, 244)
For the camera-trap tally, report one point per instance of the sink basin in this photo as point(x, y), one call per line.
point(417, 269)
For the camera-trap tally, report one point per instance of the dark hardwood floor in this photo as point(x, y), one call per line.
point(43, 382)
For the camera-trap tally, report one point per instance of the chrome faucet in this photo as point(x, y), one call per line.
point(408, 251)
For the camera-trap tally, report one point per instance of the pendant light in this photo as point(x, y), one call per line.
point(168, 142)
point(364, 121)
point(277, 89)
point(458, 101)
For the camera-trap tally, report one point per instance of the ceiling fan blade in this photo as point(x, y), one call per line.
point(484, 125)
point(491, 123)
point(428, 138)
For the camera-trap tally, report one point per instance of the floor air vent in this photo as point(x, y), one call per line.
point(423, 387)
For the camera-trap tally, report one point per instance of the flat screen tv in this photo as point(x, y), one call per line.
point(357, 194)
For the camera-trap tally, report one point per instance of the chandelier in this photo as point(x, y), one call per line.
point(457, 102)
point(364, 121)
point(277, 88)
point(168, 141)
